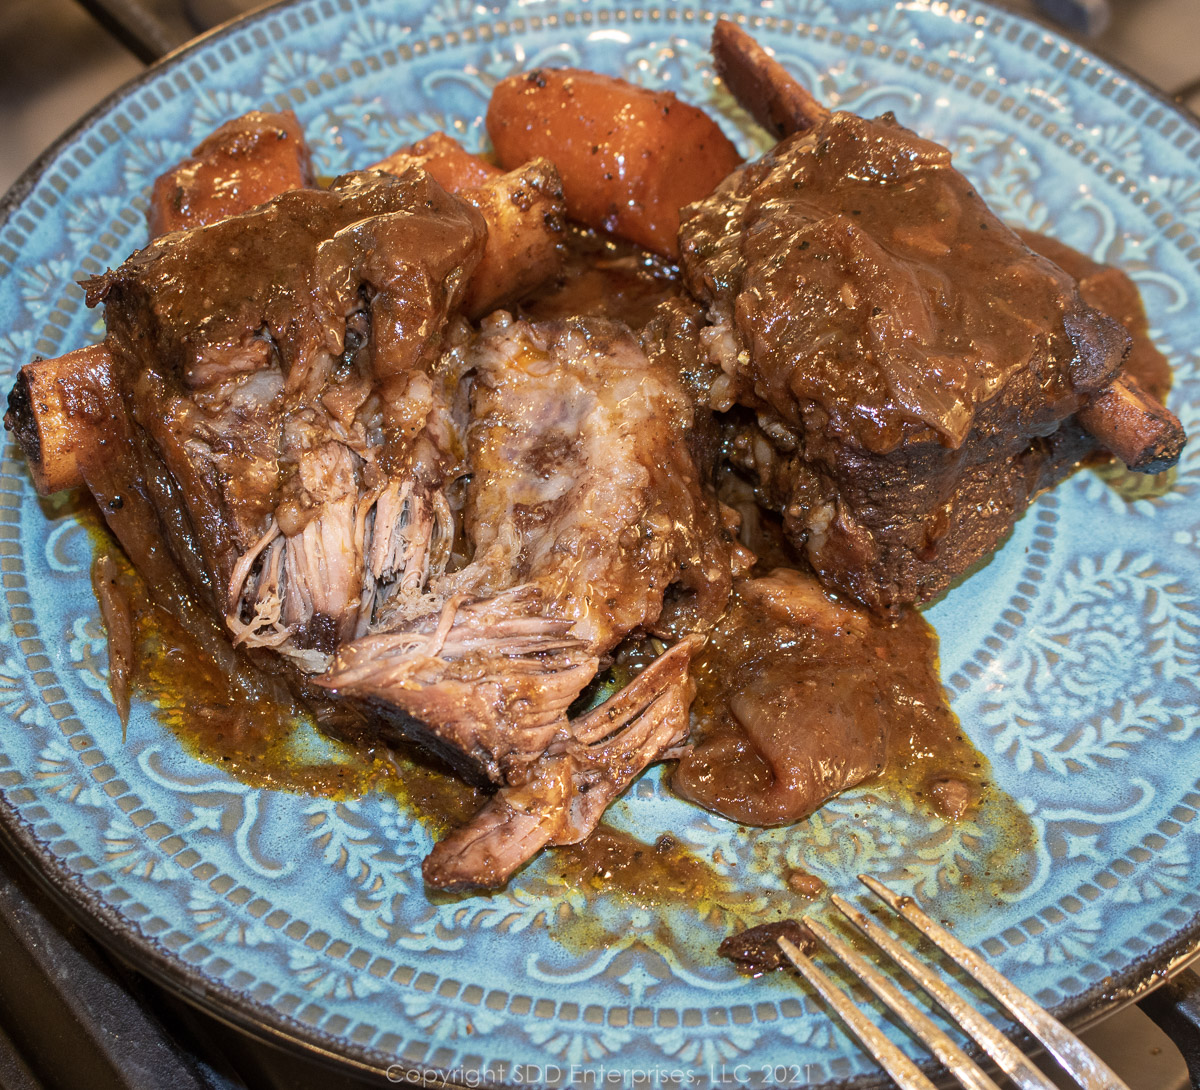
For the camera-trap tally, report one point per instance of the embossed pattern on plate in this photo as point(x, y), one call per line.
point(1072, 655)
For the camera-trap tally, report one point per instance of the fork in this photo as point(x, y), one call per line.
point(1079, 1061)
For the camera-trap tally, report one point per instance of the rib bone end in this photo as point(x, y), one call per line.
point(1135, 426)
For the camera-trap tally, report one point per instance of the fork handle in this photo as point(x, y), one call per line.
point(1175, 1008)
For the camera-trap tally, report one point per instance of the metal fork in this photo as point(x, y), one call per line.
point(1079, 1061)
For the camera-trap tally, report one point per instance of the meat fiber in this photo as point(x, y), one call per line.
point(583, 507)
point(293, 433)
point(570, 787)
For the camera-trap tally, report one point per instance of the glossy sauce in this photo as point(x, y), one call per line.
point(799, 697)
point(653, 874)
point(885, 720)
point(925, 757)
point(267, 743)
point(605, 277)
point(873, 282)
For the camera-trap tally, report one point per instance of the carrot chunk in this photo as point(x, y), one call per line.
point(629, 158)
point(244, 163)
point(445, 160)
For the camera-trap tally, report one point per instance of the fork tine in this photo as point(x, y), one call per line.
point(1014, 1063)
point(1091, 1072)
point(902, 1070)
point(952, 1057)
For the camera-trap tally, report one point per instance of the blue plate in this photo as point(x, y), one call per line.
point(1072, 656)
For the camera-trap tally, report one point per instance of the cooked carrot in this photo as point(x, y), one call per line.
point(445, 159)
point(245, 162)
point(629, 158)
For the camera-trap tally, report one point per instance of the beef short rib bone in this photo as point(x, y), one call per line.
point(762, 85)
point(526, 220)
point(525, 214)
point(57, 411)
point(570, 788)
point(1134, 425)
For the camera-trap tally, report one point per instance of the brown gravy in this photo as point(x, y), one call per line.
point(262, 743)
point(799, 697)
point(885, 678)
point(605, 277)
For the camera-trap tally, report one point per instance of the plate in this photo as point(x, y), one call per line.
point(1072, 657)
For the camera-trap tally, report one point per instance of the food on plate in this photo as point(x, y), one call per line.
point(435, 446)
point(581, 772)
point(1109, 290)
point(916, 373)
point(582, 508)
point(756, 950)
point(245, 162)
point(443, 158)
point(524, 214)
point(630, 158)
point(524, 211)
point(277, 370)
